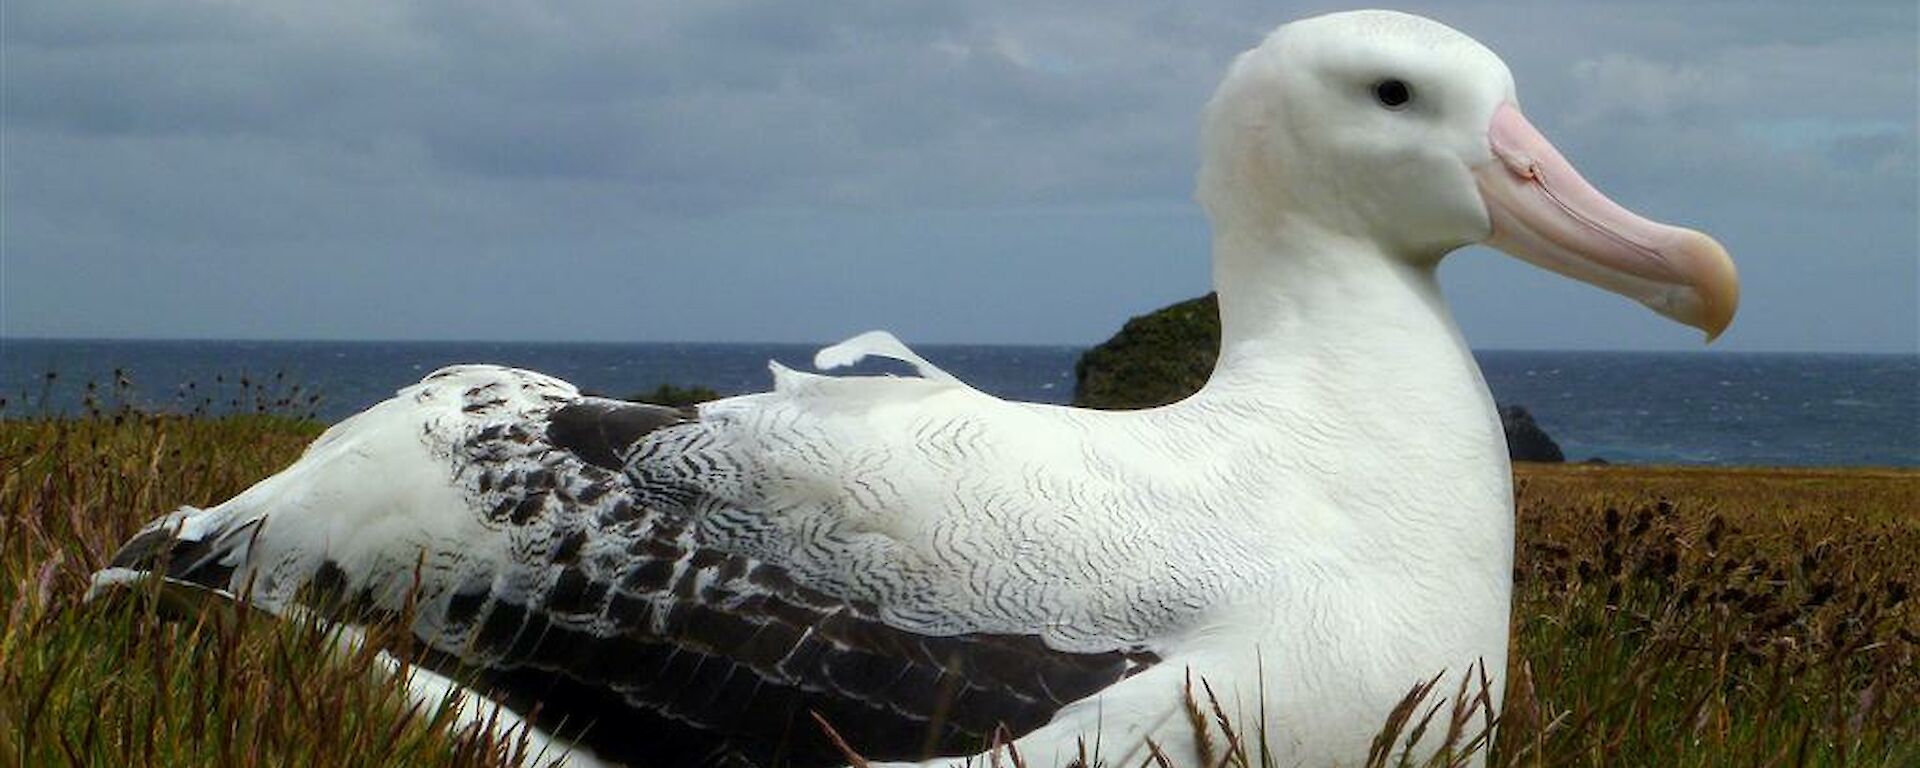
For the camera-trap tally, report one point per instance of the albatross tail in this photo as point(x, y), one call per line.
point(194, 552)
point(191, 547)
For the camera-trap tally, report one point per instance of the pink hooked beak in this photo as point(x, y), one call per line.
point(1544, 213)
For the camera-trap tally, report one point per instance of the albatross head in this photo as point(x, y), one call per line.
point(1398, 131)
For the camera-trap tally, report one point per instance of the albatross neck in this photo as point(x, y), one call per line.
point(1306, 313)
point(1349, 357)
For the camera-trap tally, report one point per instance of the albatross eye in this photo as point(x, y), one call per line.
point(1392, 93)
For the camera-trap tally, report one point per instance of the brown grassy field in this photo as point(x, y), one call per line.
point(1683, 617)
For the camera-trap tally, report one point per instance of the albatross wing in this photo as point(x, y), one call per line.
point(659, 585)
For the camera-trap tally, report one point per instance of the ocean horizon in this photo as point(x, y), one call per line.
point(1691, 408)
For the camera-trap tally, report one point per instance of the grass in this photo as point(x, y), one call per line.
point(109, 683)
point(1706, 617)
point(1674, 617)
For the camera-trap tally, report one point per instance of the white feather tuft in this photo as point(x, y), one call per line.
point(877, 344)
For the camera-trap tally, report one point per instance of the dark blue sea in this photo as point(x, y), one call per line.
point(1664, 408)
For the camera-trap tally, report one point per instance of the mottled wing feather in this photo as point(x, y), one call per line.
point(606, 599)
point(618, 623)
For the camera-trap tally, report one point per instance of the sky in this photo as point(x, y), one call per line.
point(961, 172)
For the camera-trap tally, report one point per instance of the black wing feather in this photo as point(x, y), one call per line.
point(601, 431)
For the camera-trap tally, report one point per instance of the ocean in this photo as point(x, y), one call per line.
point(1623, 407)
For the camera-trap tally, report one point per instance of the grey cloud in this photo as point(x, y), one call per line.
point(1888, 153)
point(279, 142)
point(1618, 87)
point(43, 24)
point(757, 102)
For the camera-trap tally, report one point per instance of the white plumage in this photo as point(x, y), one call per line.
point(1327, 523)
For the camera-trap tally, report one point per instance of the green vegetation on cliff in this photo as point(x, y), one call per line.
point(1157, 358)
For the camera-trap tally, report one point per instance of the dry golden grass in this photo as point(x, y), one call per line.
point(1783, 495)
point(1684, 617)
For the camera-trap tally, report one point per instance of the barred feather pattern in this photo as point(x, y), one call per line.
point(954, 512)
point(630, 596)
point(632, 587)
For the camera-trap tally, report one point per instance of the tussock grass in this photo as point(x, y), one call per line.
point(1663, 617)
point(110, 683)
point(1703, 617)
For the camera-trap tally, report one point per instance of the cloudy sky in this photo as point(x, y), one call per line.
point(777, 171)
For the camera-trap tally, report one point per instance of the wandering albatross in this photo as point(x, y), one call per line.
point(1326, 523)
